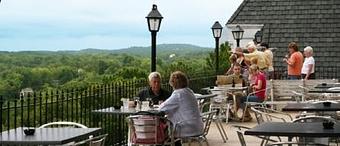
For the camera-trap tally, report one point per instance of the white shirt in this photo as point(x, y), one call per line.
point(182, 110)
point(308, 61)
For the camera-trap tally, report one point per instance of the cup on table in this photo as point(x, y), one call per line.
point(145, 105)
point(125, 103)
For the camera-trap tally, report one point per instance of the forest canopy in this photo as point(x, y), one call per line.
point(46, 70)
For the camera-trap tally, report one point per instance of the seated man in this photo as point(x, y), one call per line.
point(154, 92)
point(237, 78)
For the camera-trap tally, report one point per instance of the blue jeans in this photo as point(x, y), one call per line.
point(294, 77)
point(252, 98)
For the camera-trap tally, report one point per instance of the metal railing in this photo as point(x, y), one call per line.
point(320, 73)
point(77, 104)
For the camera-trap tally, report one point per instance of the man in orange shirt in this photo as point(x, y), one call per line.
point(294, 61)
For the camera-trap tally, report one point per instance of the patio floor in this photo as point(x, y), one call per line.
point(215, 139)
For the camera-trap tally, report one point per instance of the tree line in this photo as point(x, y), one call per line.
point(44, 70)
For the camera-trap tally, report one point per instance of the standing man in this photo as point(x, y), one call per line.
point(154, 92)
point(294, 61)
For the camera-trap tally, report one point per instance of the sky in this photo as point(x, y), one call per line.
point(107, 24)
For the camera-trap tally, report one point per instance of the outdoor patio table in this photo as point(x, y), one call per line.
point(111, 110)
point(311, 107)
point(204, 97)
point(46, 136)
point(290, 130)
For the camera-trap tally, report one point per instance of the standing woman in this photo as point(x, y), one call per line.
point(308, 67)
point(182, 108)
point(294, 61)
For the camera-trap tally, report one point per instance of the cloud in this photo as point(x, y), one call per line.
point(55, 21)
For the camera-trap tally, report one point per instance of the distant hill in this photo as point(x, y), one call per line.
point(162, 49)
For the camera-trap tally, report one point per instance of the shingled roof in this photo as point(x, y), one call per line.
point(308, 22)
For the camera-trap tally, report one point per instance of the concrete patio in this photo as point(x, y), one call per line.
point(214, 137)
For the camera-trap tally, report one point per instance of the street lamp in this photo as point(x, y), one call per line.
point(238, 34)
point(217, 32)
point(154, 19)
point(258, 37)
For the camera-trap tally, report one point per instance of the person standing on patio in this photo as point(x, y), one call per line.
point(182, 108)
point(269, 55)
point(254, 53)
point(308, 68)
point(294, 61)
point(259, 87)
point(154, 91)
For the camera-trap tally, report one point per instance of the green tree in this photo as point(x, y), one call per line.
point(224, 63)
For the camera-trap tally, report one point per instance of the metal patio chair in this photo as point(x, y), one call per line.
point(93, 141)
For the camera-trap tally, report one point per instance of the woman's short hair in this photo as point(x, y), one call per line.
point(154, 75)
point(178, 80)
point(293, 46)
point(308, 49)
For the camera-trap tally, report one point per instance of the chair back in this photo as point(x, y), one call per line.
point(63, 124)
point(258, 115)
point(148, 129)
point(207, 118)
point(320, 141)
point(93, 141)
point(263, 114)
point(314, 119)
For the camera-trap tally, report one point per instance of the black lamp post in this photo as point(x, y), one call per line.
point(238, 34)
point(258, 37)
point(154, 19)
point(217, 32)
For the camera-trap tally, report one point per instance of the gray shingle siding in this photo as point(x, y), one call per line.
point(308, 22)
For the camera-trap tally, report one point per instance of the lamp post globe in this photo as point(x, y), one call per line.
point(238, 34)
point(217, 32)
point(154, 19)
point(258, 36)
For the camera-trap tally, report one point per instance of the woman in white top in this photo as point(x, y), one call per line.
point(308, 67)
point(182, 108)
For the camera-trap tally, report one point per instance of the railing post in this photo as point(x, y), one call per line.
point(1, 111)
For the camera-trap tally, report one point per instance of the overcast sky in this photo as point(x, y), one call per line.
point(106, 24)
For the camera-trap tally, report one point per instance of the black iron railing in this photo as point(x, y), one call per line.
point(77, 104)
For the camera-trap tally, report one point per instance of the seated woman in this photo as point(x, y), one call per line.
point(259, 87)
point(182, 108)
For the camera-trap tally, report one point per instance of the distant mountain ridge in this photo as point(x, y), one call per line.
point(160, 49)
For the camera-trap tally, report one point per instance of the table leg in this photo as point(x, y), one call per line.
point(235, 106)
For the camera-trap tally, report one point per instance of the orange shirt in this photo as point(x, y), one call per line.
point(296, 61)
